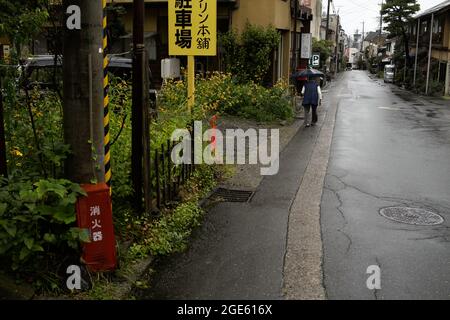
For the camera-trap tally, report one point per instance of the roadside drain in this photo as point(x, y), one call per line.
point(229, 195)
point(414, 216)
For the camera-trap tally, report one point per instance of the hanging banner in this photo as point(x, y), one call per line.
point(192, 27)
point(306, 49)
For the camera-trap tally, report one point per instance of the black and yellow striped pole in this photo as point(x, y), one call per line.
point(107, 138)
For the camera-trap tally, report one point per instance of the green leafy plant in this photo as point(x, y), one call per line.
point(21, 20)
point(38, 218)
point(220, 93)
point(248, 55)
point(171, 233)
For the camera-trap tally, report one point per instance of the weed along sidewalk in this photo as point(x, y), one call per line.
point(237, 253)
point(104, 171)
point(141, 261)
point(177, 189)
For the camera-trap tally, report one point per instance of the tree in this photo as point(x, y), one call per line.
point(398, 15)
point(248, 56)
point(323, 47)
point(21, 20)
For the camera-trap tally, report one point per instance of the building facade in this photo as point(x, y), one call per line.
point(430, 37)
point(289, 17)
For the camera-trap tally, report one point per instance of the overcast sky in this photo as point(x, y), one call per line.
point(354, 12)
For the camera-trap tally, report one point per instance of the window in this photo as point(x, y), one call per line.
point(438, 29)
point(442, 71)
point(423, 27)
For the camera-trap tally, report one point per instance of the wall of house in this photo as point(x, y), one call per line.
point(316, 6)
point(150, 23)
point(282, 14)
point(263, 13)
point(287, 45)
point(259, 12)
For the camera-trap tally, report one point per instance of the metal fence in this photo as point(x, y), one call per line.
point(167, 176)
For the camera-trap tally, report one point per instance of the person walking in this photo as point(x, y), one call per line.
point(312, 97)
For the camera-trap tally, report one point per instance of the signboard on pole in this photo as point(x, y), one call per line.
point(192, 27)
point(315, 60)
point(305, 52)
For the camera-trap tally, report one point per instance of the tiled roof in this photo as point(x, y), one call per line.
point(439, 7)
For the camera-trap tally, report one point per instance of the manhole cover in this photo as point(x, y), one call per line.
point(413, 216)
point(228, 195)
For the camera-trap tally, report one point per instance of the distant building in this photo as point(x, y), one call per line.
point(353, 57)
point(316, 7)
point(336, 35)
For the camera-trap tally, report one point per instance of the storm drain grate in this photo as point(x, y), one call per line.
point(229, 195)
point(414, 216)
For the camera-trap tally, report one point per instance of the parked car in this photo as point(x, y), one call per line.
point(45, 72)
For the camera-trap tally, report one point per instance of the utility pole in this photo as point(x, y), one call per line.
point(381, 19)
point(338, 31)
point(417, 52)
point(139, 116)
point(294, 62)
point(83, 94)
point(362, 37)
point(429, 55)
point(3, 166)
point(328, 20)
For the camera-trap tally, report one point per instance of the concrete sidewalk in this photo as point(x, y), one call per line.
point(239, 252)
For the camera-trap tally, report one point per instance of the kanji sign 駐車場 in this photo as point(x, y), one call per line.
point(192, 27)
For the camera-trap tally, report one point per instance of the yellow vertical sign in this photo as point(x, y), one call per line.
point(192, 27)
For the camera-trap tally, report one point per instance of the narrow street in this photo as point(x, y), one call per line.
point(389, 149)
point(193, 154)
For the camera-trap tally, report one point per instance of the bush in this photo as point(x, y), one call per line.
point(221, 93)
point(171, 233)
point(436, 88)
point(34, 134)
point(248, 56)
point(37, 220)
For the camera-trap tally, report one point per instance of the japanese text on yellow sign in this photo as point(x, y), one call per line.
point(192, 27)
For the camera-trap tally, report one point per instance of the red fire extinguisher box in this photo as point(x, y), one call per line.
point(94, 213)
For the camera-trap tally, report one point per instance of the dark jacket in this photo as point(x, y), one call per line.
point(311, 96)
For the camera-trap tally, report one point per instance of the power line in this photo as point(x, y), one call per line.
point(363, 7)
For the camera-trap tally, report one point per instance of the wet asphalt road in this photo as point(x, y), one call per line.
point(390, 148)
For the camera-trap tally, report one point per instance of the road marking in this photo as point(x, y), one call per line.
point(388, 108)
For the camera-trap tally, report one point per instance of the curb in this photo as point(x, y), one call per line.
point(10, 290)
